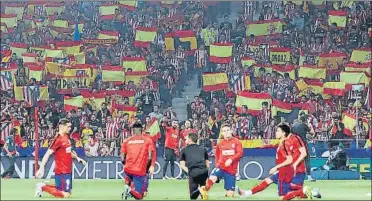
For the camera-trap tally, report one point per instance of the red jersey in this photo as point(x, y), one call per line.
point(286, 173)
point(137, 150)
point(294, 143)
point(171, 137)
point(184, 134)
point(229, 149)
point(61, 146)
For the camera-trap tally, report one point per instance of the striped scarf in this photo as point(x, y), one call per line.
point(201, 58)
point(111, 128)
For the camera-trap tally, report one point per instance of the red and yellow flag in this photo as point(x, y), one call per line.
point(94, 99)
point(135, 63)
point(145, 36)
point(18, 49)
point(122, 93)
point(71, 47)
point(113, 74)
point(154, 129)
point(331, 60)
point(35, 71)
point(135, 77)
point(122, 109)
point(54, 8)
point(72, 103)
point(107, 11)
point(248, 61)
point(16, 9)
point(350, 122)
point(252, 100)
point(361, 55)
point(60, 23)
point(131, 5)
point(60, 30)
point(9, 19)
point(356, 67)
point(279, 106)
point(264, 28)
point(187, 36)
point(54, 53)
point(6, 55)
point(280, 55)
point(19, 96)
point(169, 41)
point(334, 88)
point(354, 78)
point(108, 35)
point(283, 69)
point(267, 68)
point(220, 52)
point(312, 72)
point(338, 17)
point(29, 57)
point(215, 81)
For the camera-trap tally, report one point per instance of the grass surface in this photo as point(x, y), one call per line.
point(23, 189)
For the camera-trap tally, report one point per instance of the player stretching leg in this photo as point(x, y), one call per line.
point(282, 174)
point(135, 155)
point(61, 147)
point(228, 154)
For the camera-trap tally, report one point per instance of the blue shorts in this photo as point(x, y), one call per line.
point(229, 179)
point(64, 182)
point(139, 182)
point(299, 179)
point(283, 187)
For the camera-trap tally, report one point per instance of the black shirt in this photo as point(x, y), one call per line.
point(300, 130)
point(195, 156)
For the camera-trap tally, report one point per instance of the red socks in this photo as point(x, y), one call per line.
point(53, 191)
point(294, 194)
point(136, 194)
point(260, 187)
point(209, 184)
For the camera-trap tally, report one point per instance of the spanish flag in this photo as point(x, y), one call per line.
point(154, 129)
point(108, 35)
point(354, 78)
point(187, 36)
point(54, 8)
point(169, 41)
point(55, 53)
point(247, 61)
point(331, 59)
point(113, 74)
point(362, 55)
point(215, 81)
point(5, 56)
point(16, 9)
point(252, 100)
point(60, 23)
point(356, 67)
point(313, 85)
point(350, 122)
point(60, 30)
point(72, 103)
point(70, 47)
point(301, 85)
point(257, 67)
point(282, 69)
point(280, 55)
point(122, 109)
point(130, 5)
point(135, 63)
point(145, 36)
point(19, 93)
point(122, 93)
point(107, 11)
point(312, 72)
point(79, 58)
point(220, 52)
point(338, 17)
point(36, 72)
point(94, 99)
point(264, 28)
point(29, 57)
point(334, 88)
point(18, 49)
point(278, 107)
point(135, 76)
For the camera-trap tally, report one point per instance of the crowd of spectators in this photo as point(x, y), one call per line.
point(100, 132)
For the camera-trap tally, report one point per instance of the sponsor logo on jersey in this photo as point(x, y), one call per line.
point(136, 142)
point(229, 152)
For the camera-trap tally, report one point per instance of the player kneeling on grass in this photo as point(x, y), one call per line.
point(136, 152)
point(282, 174)
point(63, 155)
point(228, 154)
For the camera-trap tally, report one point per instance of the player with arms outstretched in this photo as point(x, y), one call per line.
point(228, 154)
point(136, 152)
point(63, 155)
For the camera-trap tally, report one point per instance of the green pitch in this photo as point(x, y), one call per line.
point(17, 189)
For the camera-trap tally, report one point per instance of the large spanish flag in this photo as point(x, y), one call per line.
point(280, 55)
point(334, 88)
point(18, 49)
point(108, 35)
point(71, 47)
point(72, 103)
point(357, 67)
point(331, 59)
point(131, 5)
point(145, 36)
point(252, 100)
point(55, 53)
point(264, 28)
point(9, 19)
point(187, 36)
point(113, 74)
point(54, 8)
point(338, 17)
point(220, 52)
point(16, 9)
point(313, 85)
point(122, 109)
point(266, 68)
point(350, 122)
point(283, 69)
point(154, 129)
point(135, 77)
point(361, 55)
point(94, 99)
point(354, 78)
point(123, 93)
point(60, 30)
point(169, 41)
point(278, 107)
point(107, 11)
point(312, 72)
point(35, 71)
point(60, 23)
point(19, 93)
point(247, 61)
point(135, 63)
point(215, 81)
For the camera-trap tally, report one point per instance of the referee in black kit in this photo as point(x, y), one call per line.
point(195, 162)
